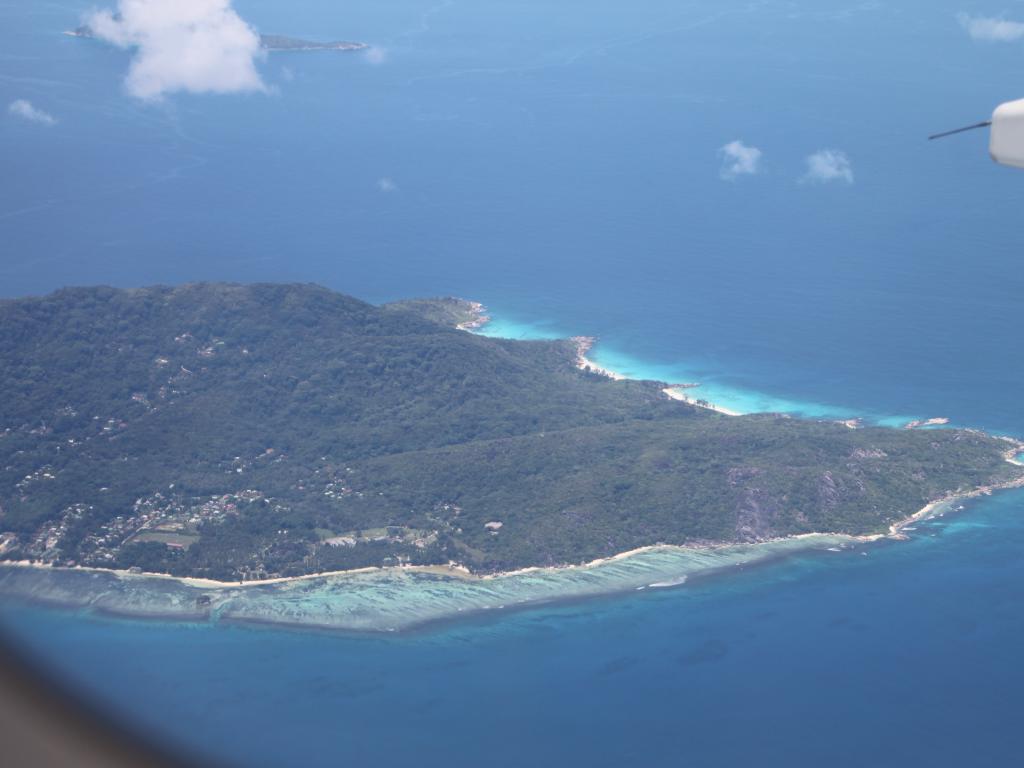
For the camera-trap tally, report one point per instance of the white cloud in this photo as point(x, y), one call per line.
point(196, 46)
point(828, 165)
point(386, 185)
point(26, 111)
point(991, 29)
point(739, 160)
point(376, 55)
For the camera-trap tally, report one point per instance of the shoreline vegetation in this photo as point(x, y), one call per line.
point(459, 571)
point(404, 598)
point(399, 595)
point(407, 597)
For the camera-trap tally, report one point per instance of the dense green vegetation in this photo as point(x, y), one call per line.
point(234, 431)
point(449, 311)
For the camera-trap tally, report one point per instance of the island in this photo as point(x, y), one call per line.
point(261, 433)
point(268, 42)
point(282, 43)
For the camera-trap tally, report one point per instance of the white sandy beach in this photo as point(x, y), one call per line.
point(676, 392)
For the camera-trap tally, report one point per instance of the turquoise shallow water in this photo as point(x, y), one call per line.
point(559, 163)
point(709, 386)
point(905, 655)
point(388, 600)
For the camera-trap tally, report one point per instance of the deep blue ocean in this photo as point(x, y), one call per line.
point(559, 162)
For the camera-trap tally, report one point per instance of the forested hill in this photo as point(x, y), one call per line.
point(249, 431)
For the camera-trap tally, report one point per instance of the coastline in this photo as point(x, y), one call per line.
point(708, 395)
point(681, 392)
point(674, 391)
point(678, 392)
point(479, 319)
point(454, 570)
point(385, 599)
point(584, 344)
point(398, 598)
point(896, 530)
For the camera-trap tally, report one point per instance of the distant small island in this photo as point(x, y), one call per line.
point(269, 42)
point(282, 43)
